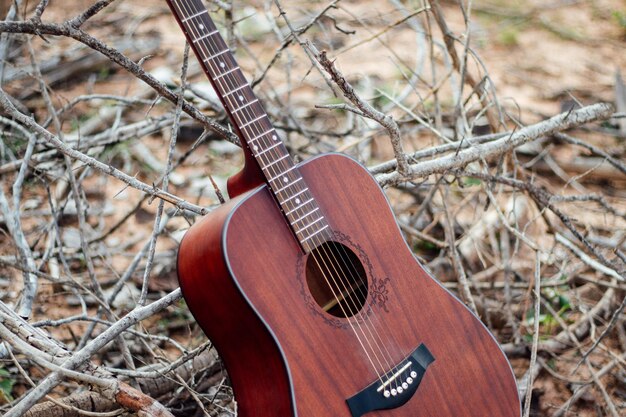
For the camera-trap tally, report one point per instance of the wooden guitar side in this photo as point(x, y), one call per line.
point(250, 353)
point(241, 272)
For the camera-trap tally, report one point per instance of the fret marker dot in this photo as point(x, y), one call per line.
point(297, 201)
point(256, 148)
point(222, 64)
point(240, 98)
point(285, 179)
point(274, 137)
point(200, 26)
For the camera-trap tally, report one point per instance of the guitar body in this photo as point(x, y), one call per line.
point(244, 277)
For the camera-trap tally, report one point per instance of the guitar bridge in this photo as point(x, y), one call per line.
point(396, 387)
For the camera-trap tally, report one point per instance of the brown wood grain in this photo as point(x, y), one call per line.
point(248, 178)
point(470, 375)
point(251, 356)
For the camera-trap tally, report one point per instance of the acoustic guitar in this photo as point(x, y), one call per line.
point(309, 292)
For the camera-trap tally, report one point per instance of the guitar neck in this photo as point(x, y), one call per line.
point(216, 59)
point(251, 122)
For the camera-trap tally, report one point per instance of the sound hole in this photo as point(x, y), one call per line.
point(336, 279)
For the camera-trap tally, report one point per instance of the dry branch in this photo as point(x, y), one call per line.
point(68, 30)
point(79, 358)
point(498, 147)
point(366, 110)
point(93, 163)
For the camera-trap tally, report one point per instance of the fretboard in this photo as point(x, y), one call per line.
point(252, 123)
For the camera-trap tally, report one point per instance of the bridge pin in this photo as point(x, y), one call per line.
point(413, 374)
point(387, 394)
point(394, 392)
point(405, 385)
point(400, 390)
point(409, 380)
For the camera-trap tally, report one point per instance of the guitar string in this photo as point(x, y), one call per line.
point(347, 268)
point(209, 62)
point(348, 290)
point(344, 256)
point(319, 266)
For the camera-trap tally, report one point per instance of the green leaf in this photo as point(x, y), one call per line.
point(620, 17)
point(469, 182)
point(6, 386)
point(564, 303)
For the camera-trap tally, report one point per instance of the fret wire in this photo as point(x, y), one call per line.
point(205, 49)
point(261, 135)
point(216, 55)
point(288, 185)
point(226, 73)
point(274, 162)
point(236, 89)
point(317, 232)
point(195, 15)
point(243, 96)
point(305, 216)
point(204, 36)
point(236, 101)
point(252, 121)
point(311, 224)
point(225, 83)
point(230, 81)
point(269, 149)
point(226, 87)
point(244, 113)
point(246, 105)
point(246, 116)
point(282, 174)
point(297, 194)
point(298, 207)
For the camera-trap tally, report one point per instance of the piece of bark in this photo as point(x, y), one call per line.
point(87, 401)
point(145, 406)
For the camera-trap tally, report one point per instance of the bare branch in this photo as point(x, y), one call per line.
point(368, 111)
point(93, 163)
point(527, 134)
